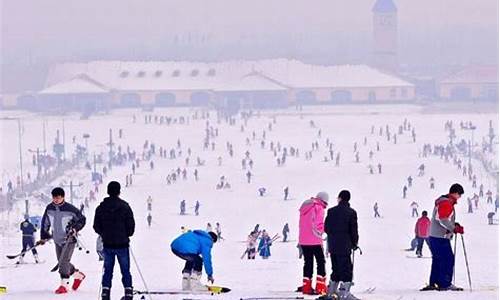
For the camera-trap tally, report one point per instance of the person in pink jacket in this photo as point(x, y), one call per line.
point(422, 232)
point(311, 228)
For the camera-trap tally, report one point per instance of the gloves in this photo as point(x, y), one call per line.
point(458, 228)
point(211, 279)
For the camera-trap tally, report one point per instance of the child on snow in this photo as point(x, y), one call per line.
point(265, 245)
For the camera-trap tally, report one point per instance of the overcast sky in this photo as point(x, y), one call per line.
point(66, 29)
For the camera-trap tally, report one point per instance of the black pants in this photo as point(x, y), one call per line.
point(28, 242)
point(193, 262)
point(341, 267)
point(310, 253)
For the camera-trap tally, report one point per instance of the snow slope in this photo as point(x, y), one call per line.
point(383, 265)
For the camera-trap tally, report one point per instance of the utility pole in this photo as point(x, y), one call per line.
point(64, 141)
point(20, 154)
point(110, 144)
point(71, 185)
point(37, 151)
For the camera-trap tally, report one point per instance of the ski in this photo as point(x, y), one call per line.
point(369, 290)
point(273, 298)
point(17, 265)
point(210, 290)
point(25, 251)
point(411, 256)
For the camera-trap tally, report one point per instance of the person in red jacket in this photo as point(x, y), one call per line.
point(422, 232)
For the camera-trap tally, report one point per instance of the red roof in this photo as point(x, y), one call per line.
point(474, 74)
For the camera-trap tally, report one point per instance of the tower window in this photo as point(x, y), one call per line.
point(124, 74)
point(176, 73)
point(141, 74)
point(211, 72)
point(158, 73)
point(194, 73)
point(404, 92)
point(393, 93)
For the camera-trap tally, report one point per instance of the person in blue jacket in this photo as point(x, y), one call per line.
point(28, 230)
point(265, 245)
point(189, 246)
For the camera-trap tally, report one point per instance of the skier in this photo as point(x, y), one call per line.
point(414, 209)
point(311, 227)
point(64, 232)
point(189, 246)
point(489, 196)
point(422, 232)
point(265, 245)
point(341, 227)
point(249, 176)
point(490, 218)
point(209, 227)
point(496, 203)
point(379, 166)
point(262, 191)
point(149, 218)
point(114, 222)
point(431, 183)
point(469, 205)
point(218, 230)
point(28, 230)
point(375, 211)
point(183, 207)
point(197, 208)
point(410, 180)
point(149, 201)
point(251, 250)
point(404, 191)
point(285, 232)
point(285, 191)
point(443, 227)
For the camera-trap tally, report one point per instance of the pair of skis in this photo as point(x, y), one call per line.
point(38, 243)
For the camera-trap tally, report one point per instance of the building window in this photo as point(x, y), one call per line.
point(194, 73)
point(393, 93)
point(211, 72)
point(141, 74)
point(176, 73)
point(124, 74)
point(404, 92)
point(158, 73)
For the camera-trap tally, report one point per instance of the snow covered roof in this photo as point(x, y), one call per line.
point(474, 74)
point(80, 84)
point(228, 75)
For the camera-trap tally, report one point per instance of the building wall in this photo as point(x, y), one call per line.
point(384, 94)
point(477, 90)
point(9, 100)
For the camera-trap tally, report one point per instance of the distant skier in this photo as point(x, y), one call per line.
point(183, 207)
point(496, 203)
point(262, 191)
point(28, 230)
point(410, 181)
point(285, 232)
point(64, 232)
point(379, 166)
point(197, 208)
point(432, 183)
point(149, 218)
point(149, 201)
point(285, 191)
point(251, 250)
point(218, 230)
point(422, 232)
point(311, 227)
point(341, 227)
point(490, 218)
point(209, 228)
point(375, 211)
point(189, 246)
point(443, 227)
point(469, 205)
point(405, 189)
point(265, 245)
point(414, 209)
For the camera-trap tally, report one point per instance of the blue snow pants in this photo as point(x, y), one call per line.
point(442, 262)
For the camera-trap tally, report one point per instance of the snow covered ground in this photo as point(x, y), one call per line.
point(383, 264)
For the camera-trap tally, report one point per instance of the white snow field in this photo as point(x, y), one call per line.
point(383, 264)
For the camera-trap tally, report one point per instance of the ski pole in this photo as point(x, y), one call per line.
point(466, 263)
point(454, 255)
point(140, 273)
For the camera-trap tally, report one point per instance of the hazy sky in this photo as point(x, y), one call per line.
point(454, 31)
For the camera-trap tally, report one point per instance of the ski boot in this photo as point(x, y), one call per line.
point(129, 294)
point(79, 277)
point(20, 261)
point(430, 287)
point(452, 287)
point(64, 287)
point(105, 293)
point(344, 291)
point(333, 287)
point(196, 285)
point(37, 260)
point(307, 286)
point(321, 285)
point(186, 281)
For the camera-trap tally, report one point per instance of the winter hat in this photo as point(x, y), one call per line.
point(344, 195)
point(213, 236)
point(457, 188)
point(323, 196)
point(114, 188)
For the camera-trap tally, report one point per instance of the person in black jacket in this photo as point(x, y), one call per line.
point(341, 226)
point(114, 222)
point(28, 230)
